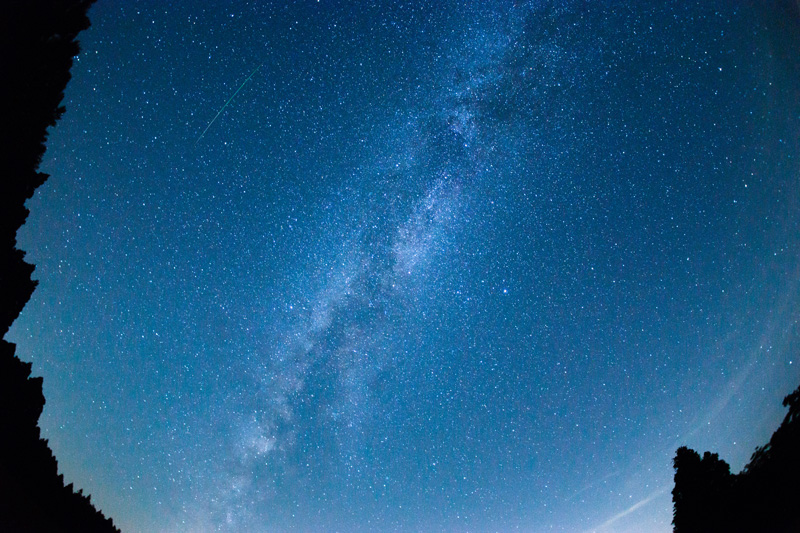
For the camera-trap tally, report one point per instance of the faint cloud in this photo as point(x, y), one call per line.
point(633, 508)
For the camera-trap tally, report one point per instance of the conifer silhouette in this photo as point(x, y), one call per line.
point(38, 41)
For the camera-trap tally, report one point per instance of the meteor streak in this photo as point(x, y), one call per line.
point(226, 104)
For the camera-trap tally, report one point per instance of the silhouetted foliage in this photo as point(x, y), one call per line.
point(764, 497)
point(38, 44)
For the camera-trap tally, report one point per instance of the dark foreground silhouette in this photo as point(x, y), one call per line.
point(37, 46)
point(764, 497)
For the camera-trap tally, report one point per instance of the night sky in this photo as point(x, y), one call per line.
point(416, 266)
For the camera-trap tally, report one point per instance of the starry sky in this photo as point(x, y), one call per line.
point(416, 265)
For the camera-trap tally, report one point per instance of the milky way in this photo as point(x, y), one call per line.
point(431, 267)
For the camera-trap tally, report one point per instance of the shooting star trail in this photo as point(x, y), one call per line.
point(226, 103)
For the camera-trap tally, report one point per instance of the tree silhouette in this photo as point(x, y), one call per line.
point(38, 43)
point(764, 497)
